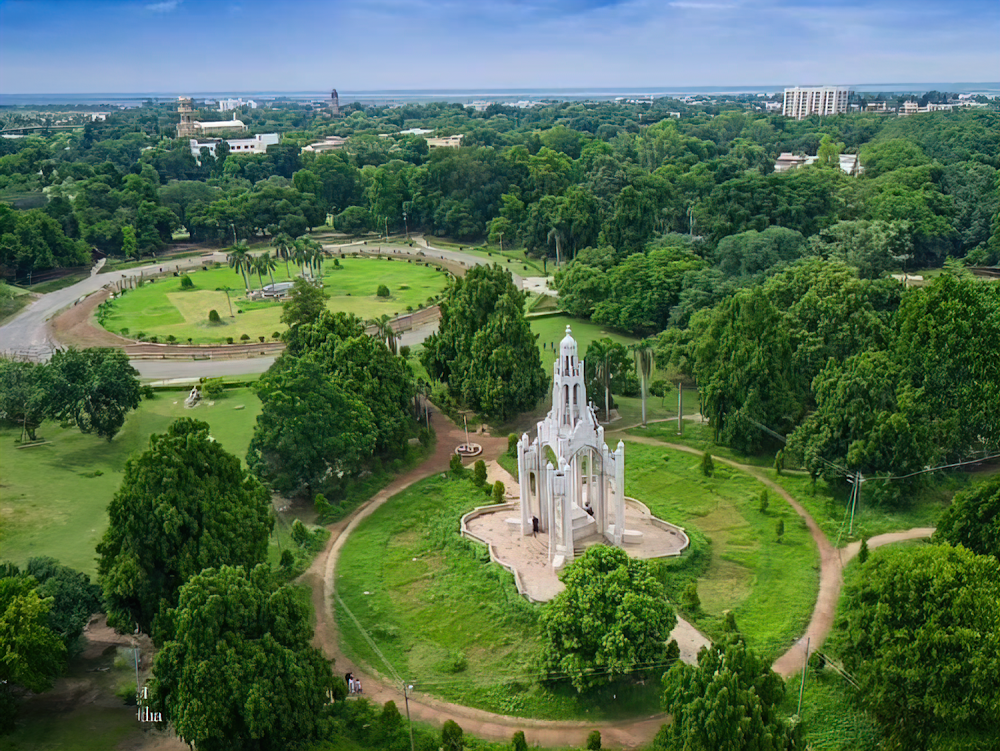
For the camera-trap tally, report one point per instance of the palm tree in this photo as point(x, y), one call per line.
point(599, 353)
point(643, 352)
point(268, 264)
point(385, 331)
point(308, 253)
point(284, 247)
point(240, 260)
point(257, 267)
point(556, 235)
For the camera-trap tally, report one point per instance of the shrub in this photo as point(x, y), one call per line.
point(147, 392)
point(594, 739)
point(690, 600)
point(817, 661)
point(300, 534)
point(498, 492)
point(187, 282)
point(456, 464)
point(244, 337)
point(287, 559)
point(275, 334)
point(779, 529)
point(171, 338)
point(519, 742)
point(262, 339)
point(707, 465)
point(452, 736)
point(730, 626)
point(214, 317)
point(229, 340)
point(863, 550)
point(512, 440)
point(125, 331)
point(479, 473)
point(154, 339)
point(322, 506)
point(425, 437)
point(779, 462)
point(382, 291)
point(190, 340)
point(763, 501)
point(405, 351)
point(212, 388)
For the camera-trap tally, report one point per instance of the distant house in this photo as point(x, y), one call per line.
point(330, 143)
point(256, 145)
point(446, 142)
point(848, 163)
point(416, 132)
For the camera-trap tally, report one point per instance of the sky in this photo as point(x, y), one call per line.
point(169, 46)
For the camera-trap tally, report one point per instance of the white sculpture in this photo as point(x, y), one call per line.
point(572, 485)
point(193, 398)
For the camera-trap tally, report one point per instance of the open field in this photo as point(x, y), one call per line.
point(163, 309)
point(55, 495)
point(452, 622)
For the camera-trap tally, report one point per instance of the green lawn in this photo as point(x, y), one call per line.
point(770, 586)
point(163, 309)
point(452, 622)
point(55, 495)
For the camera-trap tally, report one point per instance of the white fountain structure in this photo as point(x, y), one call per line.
point(572, 484)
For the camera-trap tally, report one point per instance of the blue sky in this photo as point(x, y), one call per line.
point(80, 46)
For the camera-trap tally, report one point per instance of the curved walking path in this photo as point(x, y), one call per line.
point(832, 560)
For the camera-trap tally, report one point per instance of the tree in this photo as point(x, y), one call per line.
point(74, 597)
point(612, 620)
point(33, 653)
point(727, 702)
point(305, 303)
point(95, 388)
point(241, 260)
point(184, 505)
point(312, 432)
point(921, 641)
point(779, 529)
point(973, 519)
point(479, 472)
point(130, 248)
point(644, 364)
point(764, 501)
point(707, 465)
point(594, 741)
point(238, 670)
point(690, 599)
point(484, 349)
point(25, 394)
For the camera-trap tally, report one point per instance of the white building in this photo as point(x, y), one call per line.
point(226, 105)
point(256, 145)
point(447, 142)
point(330, 143)
point(803, 101)
point(848, 163)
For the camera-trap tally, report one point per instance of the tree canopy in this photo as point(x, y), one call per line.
point(920, 639)
point(611, 620)
point(184, 505)
point(973, 519)
point(95, 388)
point(727, 702)
point(238, 670)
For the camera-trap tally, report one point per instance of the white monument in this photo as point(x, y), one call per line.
point(572, 485)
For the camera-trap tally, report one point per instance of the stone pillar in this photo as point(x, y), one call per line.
point(567, 516)
point(546, 506)
point(524, 481)
point(620, 493)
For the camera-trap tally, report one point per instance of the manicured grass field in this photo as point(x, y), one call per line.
point(55, 495)
point(163, 309)
point(453, 623)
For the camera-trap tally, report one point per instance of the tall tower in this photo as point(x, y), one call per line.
point(334, 103)
point(569, 393)
point(185, 128)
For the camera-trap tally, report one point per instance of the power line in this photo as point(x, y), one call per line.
point(368, 638)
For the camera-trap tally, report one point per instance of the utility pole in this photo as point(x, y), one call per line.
point(858, 479)
point(501, 244)
point(406, 698)
point(406, 226)
point(805, 667)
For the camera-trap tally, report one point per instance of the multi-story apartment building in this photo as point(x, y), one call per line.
point(803, 101)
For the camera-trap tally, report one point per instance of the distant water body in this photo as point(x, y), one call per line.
point(465, 96)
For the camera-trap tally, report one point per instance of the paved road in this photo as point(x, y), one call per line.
point(28, 332)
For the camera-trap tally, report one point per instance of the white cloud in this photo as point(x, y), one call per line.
point(690, 5)
point(163, 7)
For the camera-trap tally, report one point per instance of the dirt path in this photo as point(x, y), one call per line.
point(321, 577)
point(832, 560)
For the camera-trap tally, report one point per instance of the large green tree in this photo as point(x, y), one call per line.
point(727, 702)
point(238, 671)
point(31, 653)
point(184, 504)
point(612, 619)
point(312, 432)
point(484, 349)
point(921, 641)
point(95, 388)
point(25, 394)
point(973, 519)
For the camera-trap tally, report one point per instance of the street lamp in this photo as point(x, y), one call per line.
point(406, 226)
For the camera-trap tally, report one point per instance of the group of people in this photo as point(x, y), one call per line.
point(353, 684)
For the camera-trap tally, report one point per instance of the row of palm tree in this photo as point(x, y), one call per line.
point(304, 251)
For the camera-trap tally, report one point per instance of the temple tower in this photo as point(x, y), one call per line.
point(185, 128)
point(334, 103)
